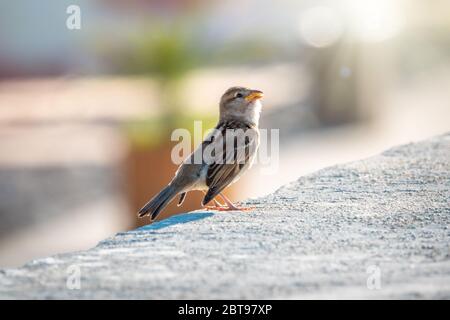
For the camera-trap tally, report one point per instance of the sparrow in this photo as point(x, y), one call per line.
point(221, 159)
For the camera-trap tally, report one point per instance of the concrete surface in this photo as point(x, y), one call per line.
point(376, 228)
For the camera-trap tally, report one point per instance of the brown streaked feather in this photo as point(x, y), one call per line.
point(220, 175)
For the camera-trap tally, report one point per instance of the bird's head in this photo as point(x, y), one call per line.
point(241, 103)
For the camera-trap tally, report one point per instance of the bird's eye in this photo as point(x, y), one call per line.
point(238, 95)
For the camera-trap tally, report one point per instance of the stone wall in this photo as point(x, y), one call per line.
point(376, 228)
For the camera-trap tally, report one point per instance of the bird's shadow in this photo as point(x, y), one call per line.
point(176, 219)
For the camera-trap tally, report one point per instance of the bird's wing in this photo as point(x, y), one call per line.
point(235, 157)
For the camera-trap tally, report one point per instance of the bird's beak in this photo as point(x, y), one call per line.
point(254, 95)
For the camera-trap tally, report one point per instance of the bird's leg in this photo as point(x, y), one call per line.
point(231, 206)
point(217, 205)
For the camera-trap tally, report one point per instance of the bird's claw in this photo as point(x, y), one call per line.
point(212, 208)
point(231, 208)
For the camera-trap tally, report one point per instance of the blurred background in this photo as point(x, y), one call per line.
point(86, 114)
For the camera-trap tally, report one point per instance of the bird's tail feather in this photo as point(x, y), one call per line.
point(158, 202)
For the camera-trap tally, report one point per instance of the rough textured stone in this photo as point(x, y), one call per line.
point(314, 238)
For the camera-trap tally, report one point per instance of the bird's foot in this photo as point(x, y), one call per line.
point(213, 207)
point(217, 206)
point(230, 206)
point(234, 208)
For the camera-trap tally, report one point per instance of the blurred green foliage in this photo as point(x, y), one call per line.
point(152, 132)
point(163, 52)
point(167, 52)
